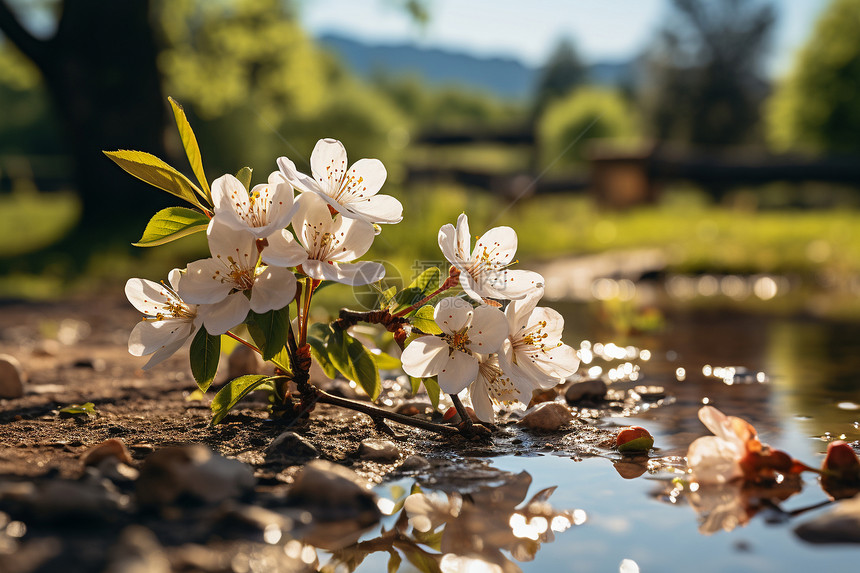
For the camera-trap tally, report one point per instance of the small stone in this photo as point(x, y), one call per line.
point(650, 393)
point(137, 551)
point(192, 472)
point(414, 407)
point(331, 492)
point(547, 416)
point(543, 395)
point(96, 364)
point(375, 450)
point(46, 348)
point(290, 447)
point(11, 377)
point(414, 463)
point(109, 448)
point(840, 525)
point(65, 501)
point(242, 362)
point(592, 390)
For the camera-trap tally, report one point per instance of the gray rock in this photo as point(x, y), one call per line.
point(414, 463)
point(547, 416)
point(384, 451)
point(840, 525)
point(585, 390)
point(242, 362)
point(137, 551)
point(61, 501)
point(290, 447)
point(11, 377)
point(192, 472)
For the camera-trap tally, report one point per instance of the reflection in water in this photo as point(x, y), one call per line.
point(483, 530)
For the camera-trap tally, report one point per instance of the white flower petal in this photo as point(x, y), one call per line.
point(224, 242)
point(378, 209)
point(296, 178)
point(481, 403)
point(230, 199)
point(458, 371)
point(284, 251)
point(519, 311)
point(464, 240)
point(274, 288)
point(514, 284)
point(174, 277)
point(311, 220)
point(713, 460)
point(365, 178)
point(448, 242)
point(452, 314)
point(499, 245)
point(473, 290)
point(357, 274)
point(489, 328)
point(425, 356)
point(354, 238)
point(147, 336)
point(328, 164)
point(202, 283)
point(226, 314)
point(146, 296)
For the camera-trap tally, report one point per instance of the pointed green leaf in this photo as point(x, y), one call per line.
point(244, 177)
point(192, 150)
point(205, 352)
point(423, 320)
point(394, 561)
point(433, 391)
point(170, 224)
point(318, 336)
point(269, 330)
point(386, 297)
point(228, 396)
point(385, 361)
point(354, 361)
point(150, 169)
point(423, 286)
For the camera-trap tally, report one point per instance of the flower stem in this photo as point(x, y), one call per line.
point(377, 413)
point(245, 342)
point(452, 281)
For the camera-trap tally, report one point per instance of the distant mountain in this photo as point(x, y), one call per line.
point(505, 77)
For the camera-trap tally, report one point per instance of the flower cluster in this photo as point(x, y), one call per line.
point(500, 356)
point(256, 256)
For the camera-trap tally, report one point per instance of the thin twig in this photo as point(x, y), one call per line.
point(374, 412)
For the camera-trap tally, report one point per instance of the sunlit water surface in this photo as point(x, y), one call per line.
point(796, 380)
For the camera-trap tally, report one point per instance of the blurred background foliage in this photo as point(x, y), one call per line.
point(257, 86)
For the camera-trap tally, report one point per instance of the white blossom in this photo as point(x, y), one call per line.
point(265, 210)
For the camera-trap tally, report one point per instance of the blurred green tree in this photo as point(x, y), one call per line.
point(708, 73)
point(563, 72)
point(99, 70)
point(588, 113)
point(817, 106)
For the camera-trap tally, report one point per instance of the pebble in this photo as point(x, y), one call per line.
point(137, 551)
point(585, 390)
point(414, 463)
point(66, 501)
point(46, 348)
point(331, 492)
point(376, 450)
point(11, 377)
point(111, 448)
point(242, 362)
point(839, 525)
point(414, 407)
point(194, 472)
point(543, 395)
point(288, 447)
point(650, 393)
point(547, 416)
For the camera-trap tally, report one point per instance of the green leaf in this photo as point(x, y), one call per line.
point(87, 409)
point(385, 361)
point(354, 361)
point(244, 176)
point(433, 391)
point(423, 320)
point(269, 330)
point(386, 296)
point(150, 169)
point(170, 224)
point(192, 150)
point(415, 383)
point(318, 336)
point(228, 396)
point(423, 286)
point(205, 352)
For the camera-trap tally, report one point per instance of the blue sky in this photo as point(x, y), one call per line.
point(529, 29)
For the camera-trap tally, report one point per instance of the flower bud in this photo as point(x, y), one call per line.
point(634, 439)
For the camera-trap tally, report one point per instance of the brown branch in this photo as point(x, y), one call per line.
point(26, 43)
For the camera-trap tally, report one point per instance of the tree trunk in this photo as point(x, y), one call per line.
point(100, 70)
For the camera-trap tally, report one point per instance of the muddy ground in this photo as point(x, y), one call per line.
point(75, 351)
